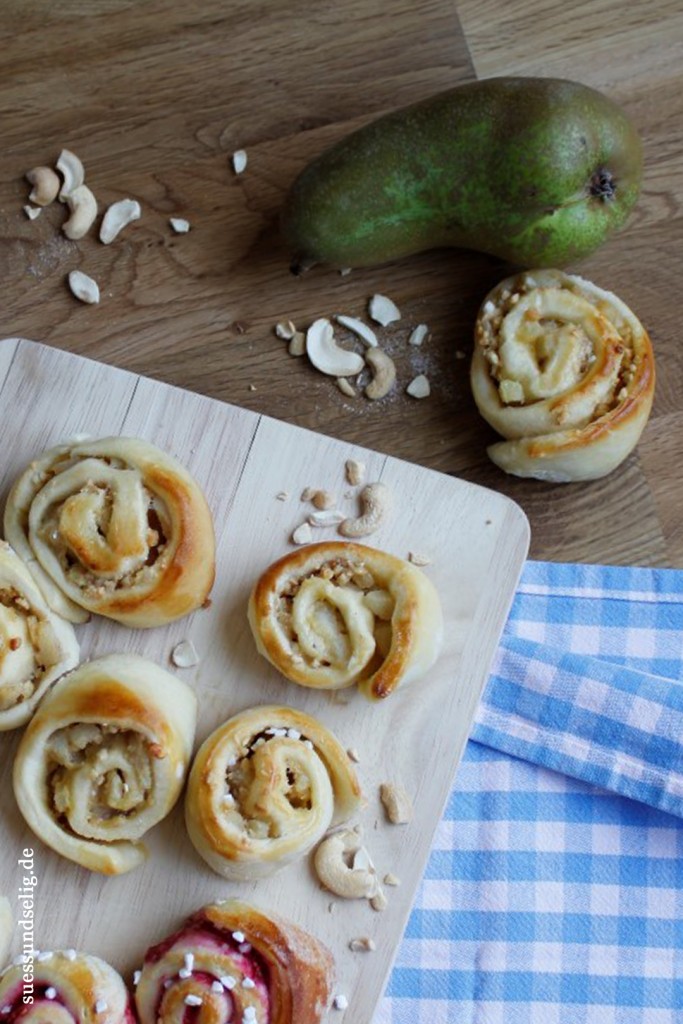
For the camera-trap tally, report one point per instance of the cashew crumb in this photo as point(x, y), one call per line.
point(345, 387)
point(179, 225)
point(353, 755)
point(418, 559)
point(239, 161)
point(396, 803)
point(302, 534)
point(391, 879)
point(184, 655)
point(362, 945)
point(355, 471)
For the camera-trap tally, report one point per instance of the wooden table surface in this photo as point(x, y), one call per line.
point(155, 96)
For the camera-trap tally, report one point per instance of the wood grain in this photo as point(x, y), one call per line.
point(156, 95)
point(477, 540)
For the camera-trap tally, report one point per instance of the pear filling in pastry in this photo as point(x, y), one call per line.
point(541, 343)
point(270, 788)
point(337, 617)
point(99, 778)
point(109, 535)
point(27, 649)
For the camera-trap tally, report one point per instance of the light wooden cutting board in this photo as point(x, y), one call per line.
point(477, 542)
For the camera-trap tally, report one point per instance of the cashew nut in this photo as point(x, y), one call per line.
point(375, 502)
point(239, 161)
point(419, 387)
point(345, 387)
point(396, 803)
point(383, 311)
point(71, 169)
point(83, 207)
point(360, 329)
point(383, 373)
point(179, 225)
point(117, 216)
point(45, 185)
point(326, 355)
point(352, 883)
point(418, 335)
point(355, 471)
point(83, 287)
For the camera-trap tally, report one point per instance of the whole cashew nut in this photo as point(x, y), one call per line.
point(83, 207)
point(336, 875)
point(383, 373)
point(376, 503)
point(45, 185)
point(326, 355)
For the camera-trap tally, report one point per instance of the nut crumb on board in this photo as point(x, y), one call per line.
point(362, 945)
point(302, 534)
point(355, 472)
point(184, 655)
point(419, 559)
point(396, 803)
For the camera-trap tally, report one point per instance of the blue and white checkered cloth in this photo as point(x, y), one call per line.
point(554, 891)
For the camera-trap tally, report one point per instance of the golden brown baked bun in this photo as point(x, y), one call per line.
point(565, 372)
point(337, 613)
point(263, 790)
point(104, 758)
point(36, 646)
point(115, 527)
point(66, 988)
point(236, 963)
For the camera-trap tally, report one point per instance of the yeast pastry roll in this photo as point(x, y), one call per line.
point(67, 987)
point(565, 371)
point(114, 527)
point(263, 790)
point(335, 614)
point(104, 758)
point(36, 645)
point(236, 964)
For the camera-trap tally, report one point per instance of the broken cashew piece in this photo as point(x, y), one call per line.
point(117, 217)
point(396, 803)
point(326, 355)
point(72, 172)
point(360, 329)
point(83, 287)
point(376, 503)
point(383, 373)
point(352, 883)
point(45, 185)
point(83, 207)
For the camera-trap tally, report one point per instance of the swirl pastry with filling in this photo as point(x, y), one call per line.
point(104, 758)
point(114, 527)
point(263, 790)
point(235, 964)
point(66, 988)
point(564, 371)
point(36, 646)
point(337, 613)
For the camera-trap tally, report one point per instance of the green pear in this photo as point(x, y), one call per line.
point(536, 171)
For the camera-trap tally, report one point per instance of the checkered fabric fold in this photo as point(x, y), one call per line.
point(554, 891)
